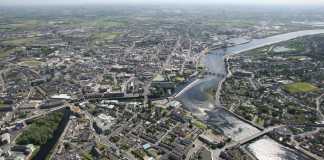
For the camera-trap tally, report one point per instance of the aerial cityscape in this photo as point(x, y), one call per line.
point(141, 80)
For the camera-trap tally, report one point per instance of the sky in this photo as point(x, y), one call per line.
point(78, 2)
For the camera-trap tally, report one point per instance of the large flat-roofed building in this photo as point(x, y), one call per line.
point(103, 123)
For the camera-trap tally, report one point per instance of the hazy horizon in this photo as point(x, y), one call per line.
point(182, 2)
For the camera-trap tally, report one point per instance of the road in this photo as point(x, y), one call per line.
point(198, 144)
point(216, 152)
point(2, 82)
point(37, 115)
point(321, 118)
point(159, 141)
point(253, 137)
point(168, 59)
point(251, 80)
point(188, 56)
point(102, 139)
point(297, 146)
point(119, 129)
point(147, 87)
point(164, 65)
point(318, 107)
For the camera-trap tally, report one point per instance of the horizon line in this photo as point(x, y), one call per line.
point(163, 3)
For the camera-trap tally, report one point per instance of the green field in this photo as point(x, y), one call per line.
point(105, 36)
point(106, 23)
point(300, 87)
point(231, 23)
point(28, 24)
point(102, 23)
point(199, 124)
point(19, 41)
point(87, 156)
point(31, 63)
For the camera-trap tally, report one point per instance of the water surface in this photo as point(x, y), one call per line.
point(196, 98)
point(273, 151)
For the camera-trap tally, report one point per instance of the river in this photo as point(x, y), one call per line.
point(273, 151)
point(200, 103)
point(46, 149)
point(196, 98)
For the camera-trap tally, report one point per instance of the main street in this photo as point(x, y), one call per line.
point(164, 66)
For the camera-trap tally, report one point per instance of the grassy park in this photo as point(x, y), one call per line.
point(40, 130)
point(300, 87)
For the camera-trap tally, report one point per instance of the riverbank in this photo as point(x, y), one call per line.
point(46, 149)
point(220, 84)
point(59, 141)
point(258, 151)
point(197, 100)
point(229, 53)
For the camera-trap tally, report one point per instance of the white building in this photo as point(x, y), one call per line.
point(104, 122)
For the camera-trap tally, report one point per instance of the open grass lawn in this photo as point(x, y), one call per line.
point(103, 23)
point(26, 24)
point(106, 23)
point(231, 23)
point(300, 87)
point(199, 124)
point(19, 41)
point(87, 156)
point(108, 36)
